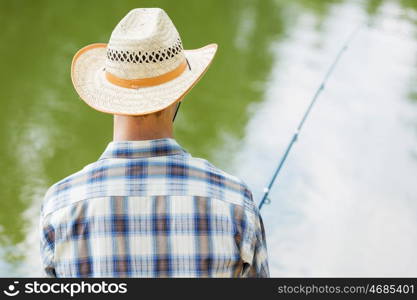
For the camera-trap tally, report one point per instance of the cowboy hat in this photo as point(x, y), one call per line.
point(143, 69)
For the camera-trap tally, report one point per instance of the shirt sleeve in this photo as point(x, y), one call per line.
point(47, 246)
point(253, 242)
point(259, 266)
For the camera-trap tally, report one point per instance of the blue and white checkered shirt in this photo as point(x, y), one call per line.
point(149, 209)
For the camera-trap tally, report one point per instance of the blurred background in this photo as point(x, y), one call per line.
point(345, 203)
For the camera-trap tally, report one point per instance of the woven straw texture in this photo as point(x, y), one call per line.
point(143, 45)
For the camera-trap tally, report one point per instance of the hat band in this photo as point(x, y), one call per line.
point(146, 82)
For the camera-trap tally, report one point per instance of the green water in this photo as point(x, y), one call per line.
point(47, 133)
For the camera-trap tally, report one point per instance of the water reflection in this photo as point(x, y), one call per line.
point(345, 202)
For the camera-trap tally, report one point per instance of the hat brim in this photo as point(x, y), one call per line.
point(89, 80)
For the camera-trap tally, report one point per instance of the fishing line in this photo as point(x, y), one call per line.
point(265, 198)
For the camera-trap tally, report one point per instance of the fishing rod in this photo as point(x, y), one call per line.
point(265, 198)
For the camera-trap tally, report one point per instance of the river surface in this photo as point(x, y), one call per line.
point(345, 203)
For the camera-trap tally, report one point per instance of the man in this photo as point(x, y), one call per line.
point(147, 208)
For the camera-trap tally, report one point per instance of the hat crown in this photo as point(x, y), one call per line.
point(144, 44)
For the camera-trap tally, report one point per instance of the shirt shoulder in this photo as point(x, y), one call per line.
point(57, 193)
point(228, 183)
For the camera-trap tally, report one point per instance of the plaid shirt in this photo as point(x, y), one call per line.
point(149, 209)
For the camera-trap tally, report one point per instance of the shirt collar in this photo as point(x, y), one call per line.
point(142, 149)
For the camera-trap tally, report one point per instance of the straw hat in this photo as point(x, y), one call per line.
point(143, 69)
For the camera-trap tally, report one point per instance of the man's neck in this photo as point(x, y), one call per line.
point(140, 128)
